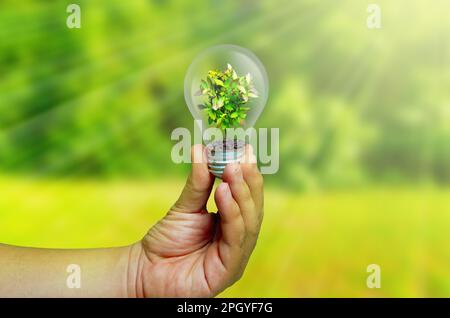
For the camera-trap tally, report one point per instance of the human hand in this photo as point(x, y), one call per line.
point(193, 253)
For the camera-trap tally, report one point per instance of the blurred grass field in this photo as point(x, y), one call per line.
point(311, 245)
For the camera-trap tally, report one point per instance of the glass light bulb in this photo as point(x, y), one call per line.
point(226, 86)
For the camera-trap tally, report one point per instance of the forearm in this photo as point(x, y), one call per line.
point(35, 272)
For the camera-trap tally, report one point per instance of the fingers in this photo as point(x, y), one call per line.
point(231, 221)
point(246, 186)
point(253, 178)
point(239, 200)
point(240, 191)
point(198, 185)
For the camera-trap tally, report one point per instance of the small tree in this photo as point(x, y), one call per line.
point(226, 96)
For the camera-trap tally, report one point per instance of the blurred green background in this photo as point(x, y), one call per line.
point(364, 117)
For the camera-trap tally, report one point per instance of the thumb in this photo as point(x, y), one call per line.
point(198, 185)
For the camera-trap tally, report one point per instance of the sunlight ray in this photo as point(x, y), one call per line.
point(287, 26)
point(12, 96)
point(125, 44)
point(155, 68)
point(64, 110)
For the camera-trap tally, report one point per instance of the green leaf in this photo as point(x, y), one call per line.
point(225, 95)
point(248, 78)
point(229, 107)
point(242, 89)
point(210, 83)
point(235, 122)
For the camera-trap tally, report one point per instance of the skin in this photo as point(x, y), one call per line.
point(188, 253)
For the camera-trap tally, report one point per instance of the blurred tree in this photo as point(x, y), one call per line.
point(321, 138)
point(352, 103)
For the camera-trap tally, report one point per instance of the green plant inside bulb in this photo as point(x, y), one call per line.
point(226, 96)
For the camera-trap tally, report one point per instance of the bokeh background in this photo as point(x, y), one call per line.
point(364, 117)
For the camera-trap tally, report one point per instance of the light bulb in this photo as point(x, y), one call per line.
point(226, 86)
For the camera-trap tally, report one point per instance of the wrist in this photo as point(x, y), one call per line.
point(133, 275)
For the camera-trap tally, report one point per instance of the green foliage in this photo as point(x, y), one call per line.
point(351, 106)
point(226, 96)
point(332, 134)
